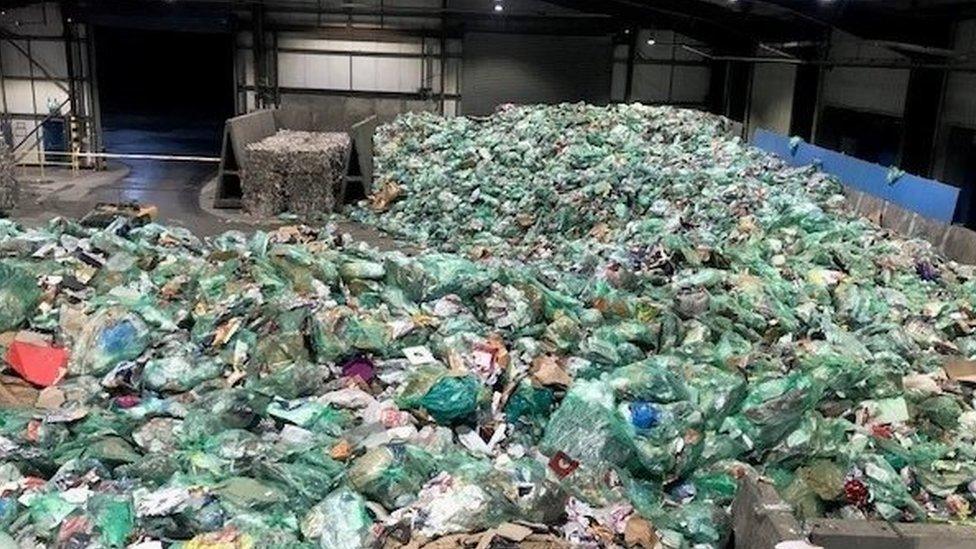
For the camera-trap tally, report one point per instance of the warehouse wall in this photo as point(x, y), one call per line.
point(400, 69)
point(880, 90)
point(960, 97)
point(359, 64)
point(34, 72)
point(664, 72)
point(507, 68)
point(955, 151)
point(772, 97)
point(363, 77)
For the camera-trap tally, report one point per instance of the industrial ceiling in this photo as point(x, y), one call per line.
point(729, 25)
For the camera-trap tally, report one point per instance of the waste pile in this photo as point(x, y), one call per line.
point(295, 171)
point(294, 389)
point(754, 320)
point(706, 313)
point(9, 188)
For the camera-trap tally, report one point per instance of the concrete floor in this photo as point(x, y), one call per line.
point(182, 191)
point(179, 190)
point(174, 187)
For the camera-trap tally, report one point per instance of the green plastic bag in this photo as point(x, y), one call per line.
point(392, 476)
point(345, 522)
point(587, 428)
point(19, 295)
point(111, 336)
point(451, 399)
point(114, 518)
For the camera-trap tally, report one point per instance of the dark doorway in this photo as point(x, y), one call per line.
point(960, 171)
point(163, 92)
point(868, 136)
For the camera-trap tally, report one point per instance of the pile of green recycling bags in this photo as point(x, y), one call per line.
point(614, 315)
point(263, 390)
point(805, 340)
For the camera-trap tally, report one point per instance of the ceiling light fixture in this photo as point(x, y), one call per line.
point(499, 7)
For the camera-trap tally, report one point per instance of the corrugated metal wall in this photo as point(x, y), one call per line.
point(879, 90)
point(664, 72)
point(34, 72)
point(960, 101)
point(772, 98)
point(507, 68)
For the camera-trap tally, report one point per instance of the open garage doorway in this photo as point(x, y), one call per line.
point(163, 92)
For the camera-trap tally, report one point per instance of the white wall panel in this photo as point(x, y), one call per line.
point(386, 74)
point(28, 100)
point(46, 91)
point(618, 82)
point(867, 89)
point(291, 70)
point(651, 83)
point(286, 41)
point(960, 97)
point(772, 98)
point(452, 74)
point(691, 84)
point(247, 62)
point(15, 63)
point(656, 65)
point(51, 56)
point(20, 99)
point(301, 70)
point(361, 71)
point(501, 68)
point(451, 107)
point(327, 72)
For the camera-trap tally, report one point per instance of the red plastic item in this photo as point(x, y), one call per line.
point(40, 365)
point(562, 464)
point(856, 492)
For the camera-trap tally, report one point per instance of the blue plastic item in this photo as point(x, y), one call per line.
point(644, 415)
point(927, 197)
point(117, 338)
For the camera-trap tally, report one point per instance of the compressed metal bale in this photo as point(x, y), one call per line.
point(298, 172)
point(9, 188)
point(262, 184)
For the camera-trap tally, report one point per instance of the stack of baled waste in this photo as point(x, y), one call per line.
point(296, 172)
point(9, 188)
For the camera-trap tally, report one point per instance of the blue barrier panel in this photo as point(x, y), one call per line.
point(927, 197)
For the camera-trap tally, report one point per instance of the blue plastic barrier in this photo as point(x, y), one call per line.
point(927, 197)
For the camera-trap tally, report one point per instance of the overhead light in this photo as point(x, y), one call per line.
point(499, 7)
point(651, 41)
